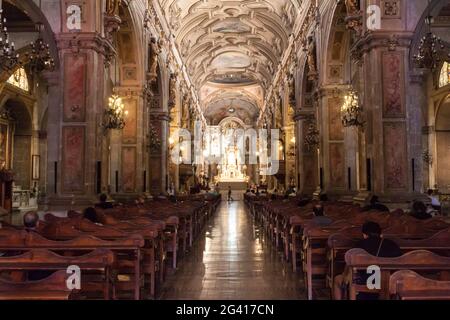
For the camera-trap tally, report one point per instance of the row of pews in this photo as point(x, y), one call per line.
point(322, 252)
point(125, 256)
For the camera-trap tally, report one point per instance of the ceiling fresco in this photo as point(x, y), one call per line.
point(231, 45)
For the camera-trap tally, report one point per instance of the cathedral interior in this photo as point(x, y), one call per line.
point(133, 107)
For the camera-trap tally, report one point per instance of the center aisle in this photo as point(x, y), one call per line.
point(230, 263)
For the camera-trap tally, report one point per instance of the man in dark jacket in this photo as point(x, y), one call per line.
point(376, 245)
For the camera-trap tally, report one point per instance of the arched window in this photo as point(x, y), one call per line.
point(444, 77)
point(19, 79)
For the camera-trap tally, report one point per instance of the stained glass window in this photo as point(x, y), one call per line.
point(444, 78)
point(19, 79)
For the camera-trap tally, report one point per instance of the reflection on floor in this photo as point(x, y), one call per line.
point(232, 263)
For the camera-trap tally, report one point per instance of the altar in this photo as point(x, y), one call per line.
point(232, 171)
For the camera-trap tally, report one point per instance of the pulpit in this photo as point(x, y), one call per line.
point(6, 189)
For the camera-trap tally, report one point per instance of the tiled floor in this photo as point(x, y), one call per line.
point(230, 262)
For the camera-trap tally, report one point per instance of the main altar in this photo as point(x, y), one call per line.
point(232, 170)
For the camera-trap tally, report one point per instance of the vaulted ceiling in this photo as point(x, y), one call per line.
point(231, 48)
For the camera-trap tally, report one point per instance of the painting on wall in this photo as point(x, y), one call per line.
point(129, 133)
point(73, 159)
point(395, 155)
point(129, 169)
point(4, 145)
point(393, 85)
point(335, 122)
point(337, 165)
point(75, 88)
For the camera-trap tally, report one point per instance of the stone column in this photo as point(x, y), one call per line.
point(159, 121)
point(308, 166)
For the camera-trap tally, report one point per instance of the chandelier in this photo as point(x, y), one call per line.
point(9, 59)
point(114, 116)
point(351, 110)
point(39, 58)
point(312, 138)
point(429, 54)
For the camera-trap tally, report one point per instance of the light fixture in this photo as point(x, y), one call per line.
point(231, 110)
point(39, 57)
point(114, 116)
point(351, 110)
point(9, 59)
point(431, 47)
point(293, 140)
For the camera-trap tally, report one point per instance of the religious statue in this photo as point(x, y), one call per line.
point(311, 52)
point(172, 91)
point(153, 60)
point(112, 7)
point(352, 6)
point(354, 16)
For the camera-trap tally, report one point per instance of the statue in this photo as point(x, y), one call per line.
point(311, 52)
point(172, 91)
point(112, 7)
point(352, 6)
point(153, 60)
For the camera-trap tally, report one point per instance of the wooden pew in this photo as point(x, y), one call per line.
point(95, 267)
point(51, 288)
point(358, 260)
point(339, 243)
point(127, 250)
point(72, 228)
point(408, 285)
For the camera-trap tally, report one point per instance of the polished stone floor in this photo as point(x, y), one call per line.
point(232, 262)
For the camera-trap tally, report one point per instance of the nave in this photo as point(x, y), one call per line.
point(232, 261)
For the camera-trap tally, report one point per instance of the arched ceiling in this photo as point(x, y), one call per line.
point(231, 45)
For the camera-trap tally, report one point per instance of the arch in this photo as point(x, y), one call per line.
point(443, 144)
point(337, 44)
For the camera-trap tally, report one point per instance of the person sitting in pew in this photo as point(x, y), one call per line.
point(91, 215)
point(375, 204)
point(31, 221)
point(303, 203)
point(419, 211)
point(375, 244)
point(319, 218)
point(104, 203)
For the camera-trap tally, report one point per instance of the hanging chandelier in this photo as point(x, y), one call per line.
point(39, 57)
point(431, 47)
point(9, 59)
point(114, 116)
point(351, 110)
